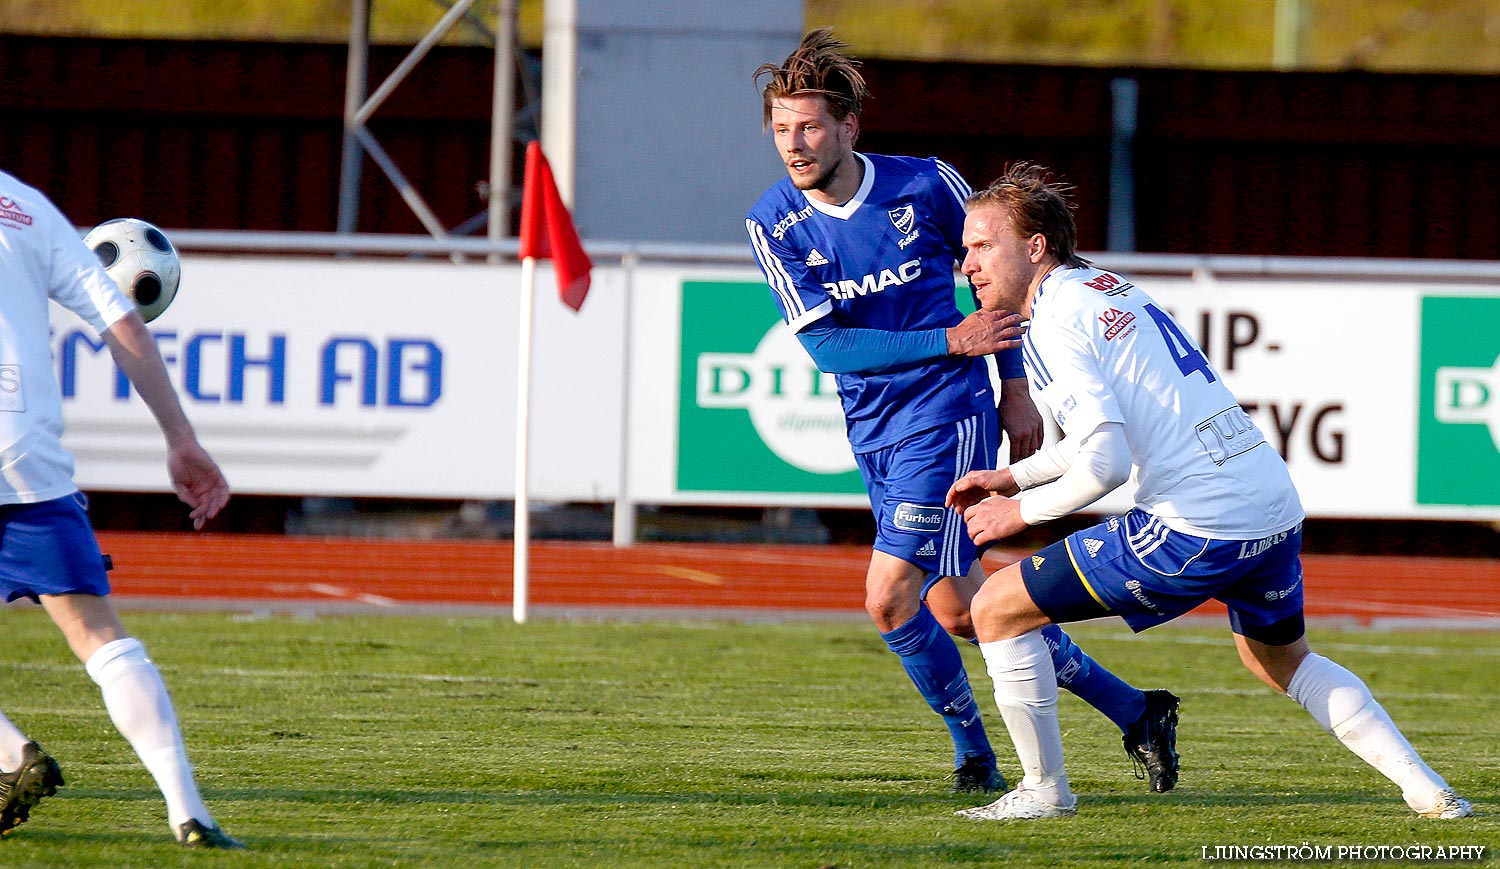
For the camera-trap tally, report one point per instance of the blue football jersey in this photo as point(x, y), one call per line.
point(883, 260)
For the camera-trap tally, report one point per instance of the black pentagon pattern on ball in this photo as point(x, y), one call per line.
point(107, 252)
point(156, 239)
point(147, 289)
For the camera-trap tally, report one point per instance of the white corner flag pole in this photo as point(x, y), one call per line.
point(624, 521)
point(519, 581)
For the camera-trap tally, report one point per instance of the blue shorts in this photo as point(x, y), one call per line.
point(908, 483)
point(50, 548)
point(1134, 567)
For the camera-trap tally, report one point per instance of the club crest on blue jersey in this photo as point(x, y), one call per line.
point(902, 218)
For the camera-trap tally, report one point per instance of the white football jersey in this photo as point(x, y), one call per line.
point(1100, 350)
point(41, 258)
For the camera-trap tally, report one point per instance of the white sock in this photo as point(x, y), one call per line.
point(1342, 703)
point(142, 711)
point(12, 740)
point(1026, 692)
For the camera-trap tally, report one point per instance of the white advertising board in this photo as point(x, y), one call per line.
point(1377, 393)
point(397, 378)
point(359, 378)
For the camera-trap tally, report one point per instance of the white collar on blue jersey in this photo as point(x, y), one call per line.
point(845, 211)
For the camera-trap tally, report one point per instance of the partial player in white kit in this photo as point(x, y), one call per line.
point(48, 552)
point(1216, 515)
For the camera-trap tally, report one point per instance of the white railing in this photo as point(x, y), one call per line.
point(1226, 266)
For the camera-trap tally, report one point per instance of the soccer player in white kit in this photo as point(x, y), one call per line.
point(1216, 514)
point(48, 552)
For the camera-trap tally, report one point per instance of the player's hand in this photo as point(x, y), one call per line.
point(1019, 419)
point(197, 480)
point(975, 486)
point(993, 519)
point(985, 332)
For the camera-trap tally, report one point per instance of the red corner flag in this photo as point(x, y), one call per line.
point(547, 230)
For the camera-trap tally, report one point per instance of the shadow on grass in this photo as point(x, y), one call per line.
point(943, 801)
point(1191, 797)
point(1238, 799)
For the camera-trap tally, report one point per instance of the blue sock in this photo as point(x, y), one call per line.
point(1120, 701)
point(936, 668)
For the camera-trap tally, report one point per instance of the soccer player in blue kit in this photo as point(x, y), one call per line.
point(859, 251)
point(1216, 514)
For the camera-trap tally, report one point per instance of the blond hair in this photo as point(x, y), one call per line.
point(1037, 203)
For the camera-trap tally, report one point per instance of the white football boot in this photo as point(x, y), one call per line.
point(1447, 805)
point(1020, 805)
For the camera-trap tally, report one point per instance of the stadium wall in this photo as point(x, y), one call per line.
point(239, 135)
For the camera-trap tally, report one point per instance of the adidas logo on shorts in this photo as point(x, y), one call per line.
point(817, 259)
point(1092, 545)
point(928, 548)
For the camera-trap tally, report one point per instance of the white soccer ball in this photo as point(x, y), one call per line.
point(139, 258)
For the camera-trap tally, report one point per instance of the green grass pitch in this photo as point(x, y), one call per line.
point(424, 741)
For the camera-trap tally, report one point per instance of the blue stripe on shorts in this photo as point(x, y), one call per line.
point(908, 483)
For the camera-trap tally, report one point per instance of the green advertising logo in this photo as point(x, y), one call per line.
point(1458, 452)
point(754, 414)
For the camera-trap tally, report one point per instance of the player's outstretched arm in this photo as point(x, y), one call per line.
point(195, 476)
point(850, 350)
point(975, 486)
point(985, 332)
point(1101, 464)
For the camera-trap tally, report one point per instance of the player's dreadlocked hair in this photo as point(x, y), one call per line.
point(1038, 203)
point(819, 67)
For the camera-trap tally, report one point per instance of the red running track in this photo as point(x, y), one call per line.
point(274, 571)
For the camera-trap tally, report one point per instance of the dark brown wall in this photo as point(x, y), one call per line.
point(1307, 164)
point(223, 135)
point(227, 135)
